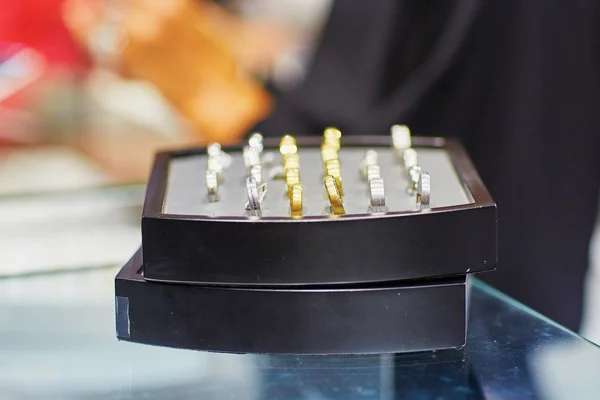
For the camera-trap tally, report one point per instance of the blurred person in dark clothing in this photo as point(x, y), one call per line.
point(517, 81)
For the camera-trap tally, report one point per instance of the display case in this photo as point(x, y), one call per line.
point(333, 245)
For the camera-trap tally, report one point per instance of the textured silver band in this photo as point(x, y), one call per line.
point(377, 194)
point(424, 191)
point(212, 185)
point(253, 198)
point(409, 158)
point(414, 173)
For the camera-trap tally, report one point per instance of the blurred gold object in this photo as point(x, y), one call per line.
point(333, 168)
point(332, 133)
point(292, 177)
point(287, 145)
point(331, 138)
point(331, 143)
point(329, 152)
point(338, 182)
point(296, 200)
point(333, 193)
point(330, 155)
point(333, 165)
point(291, 160)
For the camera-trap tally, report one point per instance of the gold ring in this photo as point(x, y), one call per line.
point(292, 177)
point(329, 152)
point(335, 199)
point(332, 133)
point(335, 144)
point(333, 168)
point(296, 200)
point(333, 164)
point(331, 137)
point(291, 160)
point(287, 145)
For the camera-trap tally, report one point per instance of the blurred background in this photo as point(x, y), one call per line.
point(81, 118)
point(90, 89)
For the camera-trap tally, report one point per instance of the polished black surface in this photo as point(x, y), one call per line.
point(444, 241)
point(57, 341)
point(366, 319)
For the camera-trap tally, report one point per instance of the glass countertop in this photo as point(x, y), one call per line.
point(88, 228)
point(57, 341)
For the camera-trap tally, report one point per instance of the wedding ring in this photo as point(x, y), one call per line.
point(333, 168)
point(333, 193)
point(401, 138)
point(288, 145)
point(373, 172)
point(332, 133)
point(292, 177)
point(333, 165)
point(409, 158)
point(291, 160)
point(328, 153)
point(413, 175)
point(331, 137)
point(214, 149)
point(371, 158)
point(251, 156)
point(424, 191)
point(377, 194)
point(256, 173)
point(253, 198)
point(212, 185)
point(214, 164)
point(215, 152)
point(256, 141)
point(296, 200)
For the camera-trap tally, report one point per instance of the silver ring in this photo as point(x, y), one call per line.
point(253, 198)
point(373, 172)
point(413, 176)
point(251, 156)
point(256, 142)
point(377, 194)
point(214, 164)
point(262, 192)
point(401, 139)
point(212, 185)
point(409, 158)
point(424, 191)
point(371, 158)
point(216, 153)
point(256, 173)
point(214, 150)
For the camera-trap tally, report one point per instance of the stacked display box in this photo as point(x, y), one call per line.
point(211, 277)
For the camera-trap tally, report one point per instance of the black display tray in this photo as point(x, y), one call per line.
point(321, 250)
point(353, 320)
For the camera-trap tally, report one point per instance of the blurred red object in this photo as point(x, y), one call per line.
point(20, 68)
point(38, 24)
point(35, 47)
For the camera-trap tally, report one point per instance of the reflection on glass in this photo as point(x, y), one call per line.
point(57, 341)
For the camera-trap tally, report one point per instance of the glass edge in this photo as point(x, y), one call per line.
point(517, 304)
point(86, 190)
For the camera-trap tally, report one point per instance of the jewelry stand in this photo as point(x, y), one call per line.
point(374, 258)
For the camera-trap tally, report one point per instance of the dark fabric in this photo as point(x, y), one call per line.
point(517, 81)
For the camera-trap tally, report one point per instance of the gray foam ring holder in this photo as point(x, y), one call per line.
point(186, 192)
